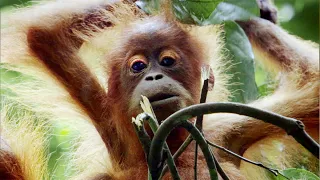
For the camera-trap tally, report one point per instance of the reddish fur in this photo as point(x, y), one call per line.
point(10, 168)
point(120, 87)
point(57, 48)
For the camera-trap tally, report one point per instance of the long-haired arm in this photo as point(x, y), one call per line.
point(296, 96)
point(56, 45)
point(284, 51)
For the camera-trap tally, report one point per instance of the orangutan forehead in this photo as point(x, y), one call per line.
point(151, 26)
point(153, 33)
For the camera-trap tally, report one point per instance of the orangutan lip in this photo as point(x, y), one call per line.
point(161, 97)
point(168, 102)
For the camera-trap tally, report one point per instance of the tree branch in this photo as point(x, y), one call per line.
point(156, 149)
point(184, 146)
point(145, 140)
point(273, 171)
point(293, 127)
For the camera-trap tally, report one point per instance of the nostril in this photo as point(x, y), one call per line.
point(159, 76)
point(149, 78)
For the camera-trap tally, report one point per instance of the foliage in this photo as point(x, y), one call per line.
point(180, 118)
point(247, 75)
point(12, 2)
point(300, 18)
point(293, 173)
point(243, 82)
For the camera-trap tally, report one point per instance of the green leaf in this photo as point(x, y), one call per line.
point(248, 5)
point(232, 10)
point(265, 80)
point(149, 6)
point(243, 84)
point(194, 11)
point(293, 173)
point(13, 3)
point(8, 76)
point(206, 11)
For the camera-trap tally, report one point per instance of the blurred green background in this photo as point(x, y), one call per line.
point(299, 17)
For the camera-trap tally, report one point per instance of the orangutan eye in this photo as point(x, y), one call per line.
point(138, 66)
point(167, 61)
point(168, 58)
